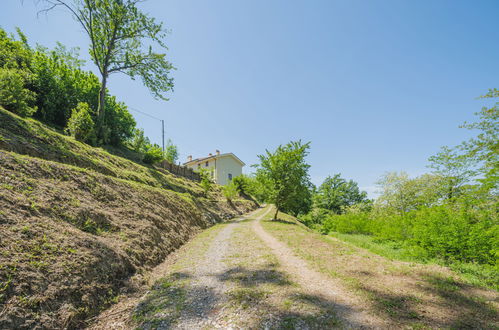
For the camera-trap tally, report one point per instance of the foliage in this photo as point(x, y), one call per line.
point(206, 180)
point(139, 142)
point(284, 173)
point(403, 194)
point(241, 183)
point(230, 191)
point(484, 148)
point(119, 124)
point(60, 84)
point(336, 194)
point(449, 215)
point(455, 170)
point(315, 218)
point(80, 124)
point(153, 154)
point(50, 83)
point(171, 152)
point(13, 94)
point(121, 39)
point(247, 186)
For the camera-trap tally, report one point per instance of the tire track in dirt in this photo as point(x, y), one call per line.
point(206, 296)
point(349, 308)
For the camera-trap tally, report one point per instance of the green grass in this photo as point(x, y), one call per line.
point(396, 290)
point(486, 276)
point(30, 137)
point(390, 250)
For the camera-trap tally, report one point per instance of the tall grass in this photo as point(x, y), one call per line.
point(463, 237)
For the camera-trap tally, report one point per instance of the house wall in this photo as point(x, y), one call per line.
point(225, 166)
point(211, 166)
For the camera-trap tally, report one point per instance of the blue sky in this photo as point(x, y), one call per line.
point(375, 85)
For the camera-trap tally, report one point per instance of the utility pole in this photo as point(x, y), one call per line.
point(161, 120)
point(163, 133)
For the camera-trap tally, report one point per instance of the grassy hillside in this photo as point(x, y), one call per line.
point(76, 223)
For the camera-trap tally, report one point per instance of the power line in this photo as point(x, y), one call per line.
point(162, 124)
point(145, 114)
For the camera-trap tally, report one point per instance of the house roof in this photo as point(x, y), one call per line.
point(203, 159)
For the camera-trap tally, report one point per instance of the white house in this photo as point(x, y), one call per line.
point(223, 167)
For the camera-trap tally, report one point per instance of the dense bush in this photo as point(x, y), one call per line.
point(48, 84)
point(349, 223)
point(13, 94)
point(60, 84)
point(230, 191)
point(153, 155)
point(452, 231)
point(119, 123)
point(206, 180)
point(80, 124)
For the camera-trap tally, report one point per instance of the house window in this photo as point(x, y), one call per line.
point(230, 176)
point(206, 164)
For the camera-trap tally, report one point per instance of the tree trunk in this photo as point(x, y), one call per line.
point(276, 212)
point(101, 108)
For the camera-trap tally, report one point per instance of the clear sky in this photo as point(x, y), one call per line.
point(375, 85)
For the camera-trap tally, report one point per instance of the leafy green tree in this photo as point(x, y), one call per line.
point(80, 124)
point(402, 194)
point(153, 154)
point(284, 173)
point(139, 142)
point(171, 152)
point(454, 168)
point(13, 94)
point(14, 54)
point(119, 123)
point(335, 194)
point(121, 38)
point(484, 148)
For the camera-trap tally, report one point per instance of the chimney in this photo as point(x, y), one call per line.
point(218, 152)
point(189, 158)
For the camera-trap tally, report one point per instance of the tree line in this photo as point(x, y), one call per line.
point(449, 214)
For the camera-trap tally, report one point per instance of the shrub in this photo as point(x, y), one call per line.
point(206, 182)
point(241, 184)
point(13, 96)
point(139, 142)
point(230, 191)
point(349, 223)
point(80, 124)
point(119, 123)
point(153, 155)
point(171, 152)
point(316, 218)
point(456, 233)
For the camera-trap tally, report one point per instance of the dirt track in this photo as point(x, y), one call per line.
point(238, 275)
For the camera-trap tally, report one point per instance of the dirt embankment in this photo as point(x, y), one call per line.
point(77, 223)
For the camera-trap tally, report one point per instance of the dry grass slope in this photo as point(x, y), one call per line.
point(77, 223)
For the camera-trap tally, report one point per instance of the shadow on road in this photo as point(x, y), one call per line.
point(170, 300)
